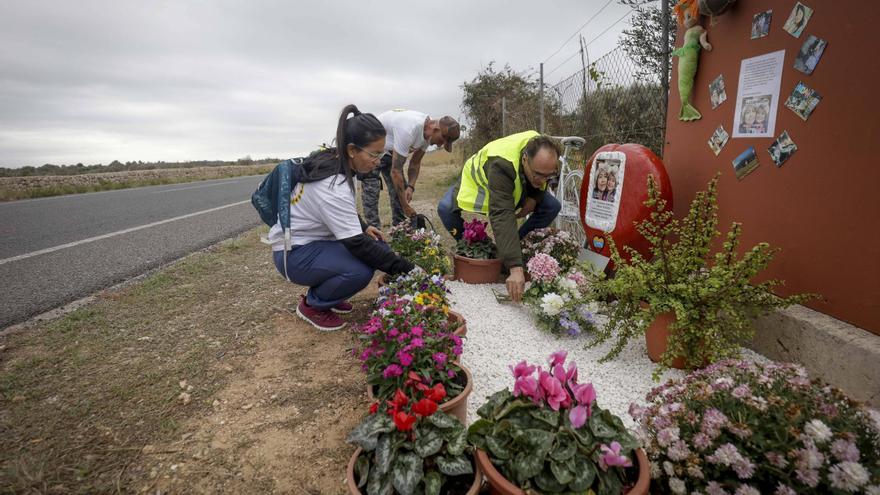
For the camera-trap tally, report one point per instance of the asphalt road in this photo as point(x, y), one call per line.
point(59, 249)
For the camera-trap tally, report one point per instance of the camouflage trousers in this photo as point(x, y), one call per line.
point(371, 185)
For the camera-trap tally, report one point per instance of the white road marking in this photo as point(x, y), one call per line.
point(113, 234)
point(190, 187)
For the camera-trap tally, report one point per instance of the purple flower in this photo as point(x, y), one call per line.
point(439, 358)
point(405, 358)
point(784, 490)
point(844, 450)
point(416, 331)
point(393, 370)
point(741, 392)
point(450, 374)
point(777, 459)
point(417, 343)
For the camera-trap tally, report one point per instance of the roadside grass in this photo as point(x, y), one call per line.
point(10, 194)
point(84, 397)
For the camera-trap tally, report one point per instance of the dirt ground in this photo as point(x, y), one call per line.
point(196, 378)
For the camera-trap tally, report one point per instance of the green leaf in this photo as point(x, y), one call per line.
point(362, 469)
point(455, 466)
point(379, 484)
point(527, 466)
point(565, 447)
point(442, 420)
point(406, 473)
point(584, 474)
point(538, 441)
point(383, 454)
point(458, 443)
point(433, 482)
point(428, 442)
point(366, 433)
point(497, 446)
point(601, 428)
point(561, 473)
point(547, 482)
point(480, 427)
point(546, 415)
point(610, 485)
point(486, 411)
point(510, 407)
point(583, 436)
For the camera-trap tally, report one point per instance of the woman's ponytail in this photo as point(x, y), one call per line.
point(360, 130)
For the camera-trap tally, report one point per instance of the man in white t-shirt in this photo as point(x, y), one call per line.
point(409, 134)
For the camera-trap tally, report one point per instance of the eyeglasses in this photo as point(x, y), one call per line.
point(539, 175)
point(374, 156)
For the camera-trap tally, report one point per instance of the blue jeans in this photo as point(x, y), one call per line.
point(544, 214)
point(330, 271)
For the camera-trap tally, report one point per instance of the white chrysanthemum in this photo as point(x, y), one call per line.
point(552, 304)
point(818, 431)
point(655, 471)
point(747, 490)
point(848, 476)
point(695, 471)
point(873, 490)
point(568, 284)
point(677, 486)
point(668, 468)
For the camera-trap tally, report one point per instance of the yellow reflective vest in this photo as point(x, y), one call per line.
point(473, 190)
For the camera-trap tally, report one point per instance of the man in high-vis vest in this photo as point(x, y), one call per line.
point(506, 180)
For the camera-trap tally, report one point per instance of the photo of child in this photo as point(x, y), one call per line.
point(755, 114)
point(717, 93)
point(745, 162)
point(782, 149)
point(810, 54)
point(803, 100)
point(798, 19)
point(761, 24)
point(718, 140)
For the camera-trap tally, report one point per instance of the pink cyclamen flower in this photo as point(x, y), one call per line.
point(554, 392)
point(528, 386)
point(558, 357)
point(522, 369)
point(578, 415)
point(611, 457)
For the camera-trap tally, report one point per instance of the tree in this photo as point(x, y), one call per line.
point(643, 41)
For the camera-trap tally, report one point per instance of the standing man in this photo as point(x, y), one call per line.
point(506, 180)
point(408, 134)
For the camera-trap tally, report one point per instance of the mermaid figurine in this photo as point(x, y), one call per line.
point(688, 54)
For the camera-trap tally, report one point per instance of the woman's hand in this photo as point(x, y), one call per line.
point(375, 233)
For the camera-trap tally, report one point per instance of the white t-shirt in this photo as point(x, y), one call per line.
point(405, 131)
point(319, 211)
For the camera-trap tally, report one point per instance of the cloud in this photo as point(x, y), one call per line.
point(96, 81)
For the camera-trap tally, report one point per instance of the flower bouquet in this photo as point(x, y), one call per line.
point(558, 299)
point(550, 436)
point(407, 445)
point(743, 428)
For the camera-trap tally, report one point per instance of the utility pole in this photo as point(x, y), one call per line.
point(664, 77)
point(541, 101)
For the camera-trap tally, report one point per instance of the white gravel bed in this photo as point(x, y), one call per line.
point(502, 334)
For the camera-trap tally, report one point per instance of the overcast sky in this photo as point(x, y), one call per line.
point(97, 81)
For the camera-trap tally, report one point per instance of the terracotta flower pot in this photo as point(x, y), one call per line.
point(474, 271)
point(656, 336)
point(457, 322)
point(455, 407)
point(353, 489)
point(499, 485)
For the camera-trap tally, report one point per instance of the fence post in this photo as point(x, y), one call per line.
point(503, 116)
point(541, 101)
point(664, 78)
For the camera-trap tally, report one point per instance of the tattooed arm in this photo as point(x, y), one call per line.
point(397, 161)
point(415, 165)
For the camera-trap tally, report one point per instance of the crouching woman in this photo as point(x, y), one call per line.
point(333, 252)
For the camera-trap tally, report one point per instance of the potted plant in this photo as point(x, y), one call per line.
point(558, 299)
point(475, 260)
point(550, 436)
point(744, 428)
point(694, 307)
point(424, 289)
point(409, 446)
point(559, 244)
point(403, 341)
point(421, 246)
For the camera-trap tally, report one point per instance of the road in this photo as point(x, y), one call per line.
point(59, 249)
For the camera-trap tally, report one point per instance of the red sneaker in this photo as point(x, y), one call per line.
point(343, 308)
point(323, 320)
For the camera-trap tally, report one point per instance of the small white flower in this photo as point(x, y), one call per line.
point(873, 490)
point(695, 471)
point(746, 490)
point(668, 468)
point(552, 304)
point(818, 431)
point(677, 486)
point(655, 471)
point(848, 476)
point(568, 284)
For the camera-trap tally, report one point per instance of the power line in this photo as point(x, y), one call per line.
point(578, 30)
point(611, 26)
point(563, 63)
